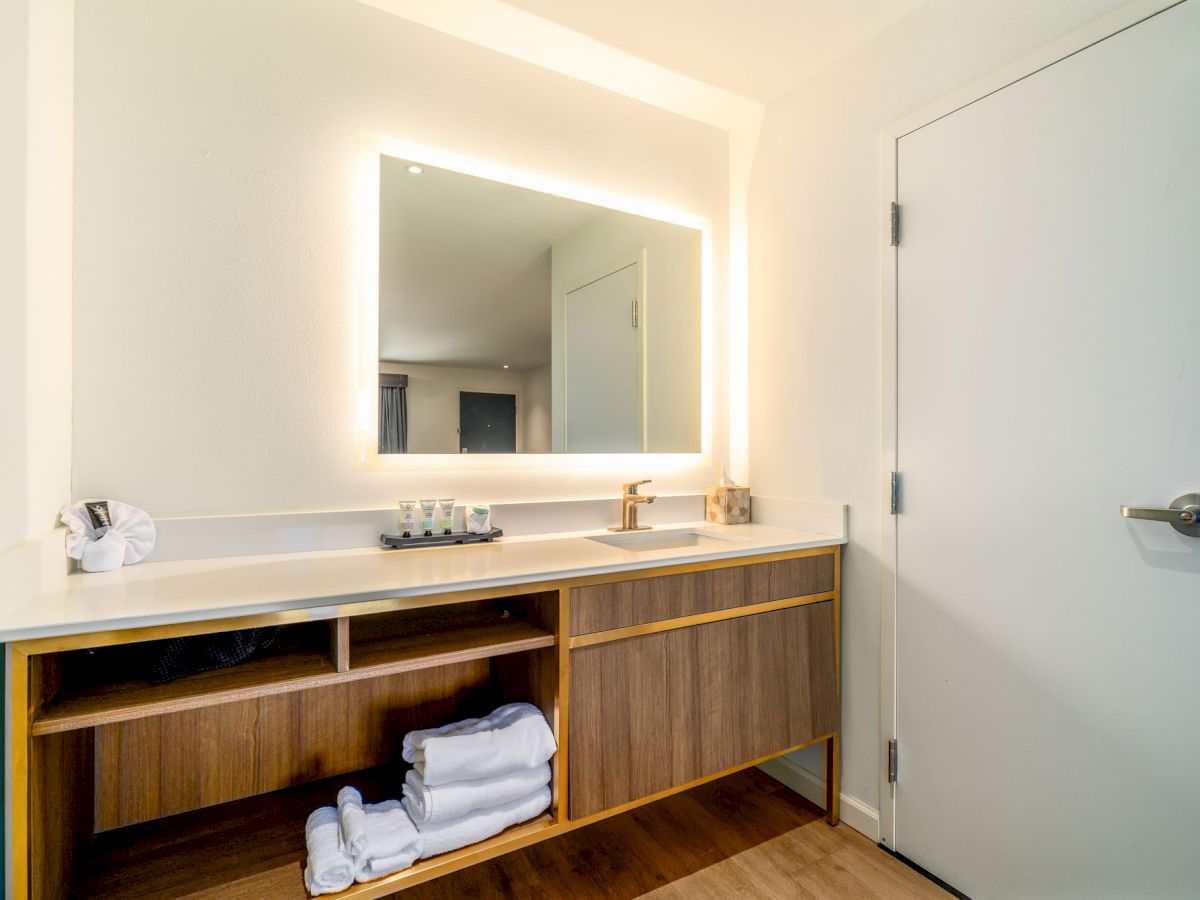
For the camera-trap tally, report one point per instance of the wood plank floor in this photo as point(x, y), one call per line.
point(742, 836)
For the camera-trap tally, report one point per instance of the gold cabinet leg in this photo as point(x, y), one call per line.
point(833, 788)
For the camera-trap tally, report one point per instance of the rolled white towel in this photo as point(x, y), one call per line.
point(381, 837)
point(442, 837)
point(353, 821)
point(126, 538)
point(329, 868)
point(515, 736)
point(449, 801)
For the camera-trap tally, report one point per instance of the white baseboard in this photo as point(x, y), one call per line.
point(858, 815)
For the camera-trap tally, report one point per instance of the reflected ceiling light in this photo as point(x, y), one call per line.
point(415, 170)
point(506, 365)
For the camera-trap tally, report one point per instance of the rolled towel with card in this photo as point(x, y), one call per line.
point(104, 535)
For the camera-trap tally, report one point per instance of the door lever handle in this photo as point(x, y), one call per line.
point(1183, 514)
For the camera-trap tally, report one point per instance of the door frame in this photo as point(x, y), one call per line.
point(1094, 32)
point(624, 261)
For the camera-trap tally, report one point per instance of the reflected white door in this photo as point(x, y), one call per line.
point(1048, 650)
point(603, 364)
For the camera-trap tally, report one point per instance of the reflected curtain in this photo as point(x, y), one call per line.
point(393, 414)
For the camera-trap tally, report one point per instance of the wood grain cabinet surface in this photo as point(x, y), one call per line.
point(652, 681)
point(653, 712)
point(620, 604)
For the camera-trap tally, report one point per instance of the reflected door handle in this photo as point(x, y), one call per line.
point(1183, 514)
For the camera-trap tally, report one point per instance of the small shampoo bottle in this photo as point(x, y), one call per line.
point(428, 514)
point(408, 517)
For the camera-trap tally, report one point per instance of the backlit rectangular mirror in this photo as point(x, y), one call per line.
point(515, 321)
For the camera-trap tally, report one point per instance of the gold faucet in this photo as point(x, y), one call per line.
point(630, 499)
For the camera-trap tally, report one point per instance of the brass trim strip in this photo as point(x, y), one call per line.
point(720, 615)
point(562, 758)
point(20, 712)
point(532, 832)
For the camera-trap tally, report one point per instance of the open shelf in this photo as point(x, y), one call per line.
point(414, 639)
point(111, 684)
point(251, 848)
point(305, 656)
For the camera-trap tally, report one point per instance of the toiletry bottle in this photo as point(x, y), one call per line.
point(447, 515)
point(408, 517)
point(428, 514)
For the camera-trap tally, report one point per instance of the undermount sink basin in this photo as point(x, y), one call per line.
point(641, 541)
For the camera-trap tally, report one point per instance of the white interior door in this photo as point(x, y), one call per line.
point(602, 326)
point(1048, 371)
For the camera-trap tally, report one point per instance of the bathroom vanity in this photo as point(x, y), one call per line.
point(659, 665)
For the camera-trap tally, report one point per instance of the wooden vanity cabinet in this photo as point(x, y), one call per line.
point(654, 712)
point(652, 681)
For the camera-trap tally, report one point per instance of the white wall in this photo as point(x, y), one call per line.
point(432, 399)
point(216, 142)
point(36, 66)
point(671, 318)
point(534, 412)
point(14, 55)
point(815, 214)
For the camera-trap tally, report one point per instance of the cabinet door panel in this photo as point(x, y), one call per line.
point(654, 712)
point(603, 607)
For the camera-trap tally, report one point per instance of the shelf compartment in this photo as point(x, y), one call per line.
point(83, 688)
point(327, 653)
point(415, 639)
point(254, 848)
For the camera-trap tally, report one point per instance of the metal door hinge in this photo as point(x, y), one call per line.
point(895, 504)
point(635, 314)
point(895, 225)
point(892, 761)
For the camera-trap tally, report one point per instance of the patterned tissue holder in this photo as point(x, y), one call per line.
point(727, 505)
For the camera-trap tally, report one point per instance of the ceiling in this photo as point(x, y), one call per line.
point(464, 268)
point(757, 48)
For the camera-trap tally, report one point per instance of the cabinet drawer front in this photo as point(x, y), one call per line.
point(655, 712)
point(603, 607)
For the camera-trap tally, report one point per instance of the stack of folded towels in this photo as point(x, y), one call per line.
point(470, 781)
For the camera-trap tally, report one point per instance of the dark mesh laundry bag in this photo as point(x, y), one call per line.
point(182, 656)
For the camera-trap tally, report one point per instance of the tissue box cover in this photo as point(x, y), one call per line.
point(727, 505)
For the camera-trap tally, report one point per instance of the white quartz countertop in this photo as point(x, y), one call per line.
point(196, 590)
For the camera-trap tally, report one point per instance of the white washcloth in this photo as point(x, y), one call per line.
point(515, 736)
point(442, 837)
point(449, 801)
point(329, 868)
point(128, 539)
point(381, 837)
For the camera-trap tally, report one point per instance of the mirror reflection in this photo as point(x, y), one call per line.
point(512, 321)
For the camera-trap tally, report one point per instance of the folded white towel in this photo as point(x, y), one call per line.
point(442, 837)
point(449, 801)
point(128, 537)
point(381, 837)
point(515, 736)
point(329, 868)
